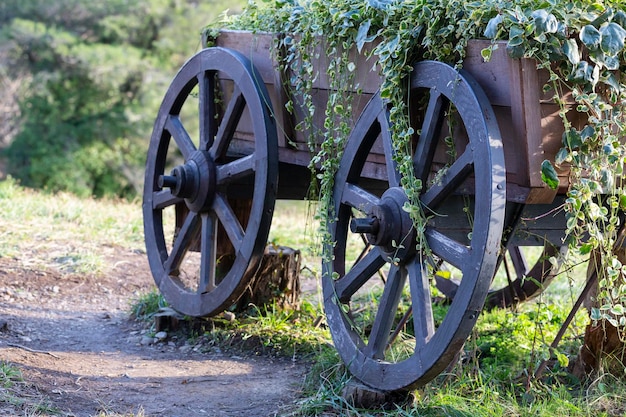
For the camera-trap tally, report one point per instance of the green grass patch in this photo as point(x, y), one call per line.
point(145, 306)
point(62, 231)
point(17, 395)
point(9, 374)
point(265, 330)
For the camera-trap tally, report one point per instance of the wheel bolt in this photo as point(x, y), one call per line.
point(364, 225)
point(168, 181)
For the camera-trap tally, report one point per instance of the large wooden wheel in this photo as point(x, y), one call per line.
point(210, 183)
point(389, 337)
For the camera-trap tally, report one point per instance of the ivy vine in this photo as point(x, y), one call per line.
point(580, 43)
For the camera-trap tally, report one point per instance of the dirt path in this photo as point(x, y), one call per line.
point(80, 354)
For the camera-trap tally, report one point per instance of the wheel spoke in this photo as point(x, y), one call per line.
point(236, 169)
point(359, 274)
point(357, 197)
point(387, 307)
point(421, 302)
point(185, 237)
point(229, 221)
point(519, 261)
point(429, 137)
point(180, 135)
point(447, 249)
point(208, 245)
point(206, 108)
point(229, 123)
point(449, 181)
point(164, 198)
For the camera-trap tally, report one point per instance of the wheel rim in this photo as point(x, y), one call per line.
point(200, 244)
point(365, 346)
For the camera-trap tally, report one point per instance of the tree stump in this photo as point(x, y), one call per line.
point(603, 346)
point(277, 279)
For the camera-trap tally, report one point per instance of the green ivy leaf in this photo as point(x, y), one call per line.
point(585, 73)
point(620, 18)
point(612, 38)
point(572, 139)
point(544, 22)
point(570, 49)
point(596, 314)
point(492, 27)
point(515, 41)
point(485, 53)
point(561, 156)
point(611, 81)
point(516, 31)
point(380, 4)
point(563, 359)
point(587, 132)
point(590, 36)
point(607, 179)
point(549, 175)
point(611, 63)
point(585, 248)
point(361, 36)
point(618, 310)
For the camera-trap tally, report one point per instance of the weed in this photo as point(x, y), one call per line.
point(147, 305)
point(9, 374)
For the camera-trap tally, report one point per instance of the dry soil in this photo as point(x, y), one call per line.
point(80, 354)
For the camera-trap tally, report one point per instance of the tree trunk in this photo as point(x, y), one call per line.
point(276, 280)
point(603, 348)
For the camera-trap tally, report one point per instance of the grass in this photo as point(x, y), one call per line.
point(15, 394)
point(60, 231)
point(492, 379)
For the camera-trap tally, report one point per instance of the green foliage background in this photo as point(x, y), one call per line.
point(90, 78)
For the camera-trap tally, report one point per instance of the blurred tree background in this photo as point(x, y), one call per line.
point(81, 82)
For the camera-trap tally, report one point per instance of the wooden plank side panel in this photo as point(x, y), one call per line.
point(259, 48)
point(529, 124)
point(529, 120)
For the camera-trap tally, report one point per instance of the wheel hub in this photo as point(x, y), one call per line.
point(388, 225)
point(194, 181)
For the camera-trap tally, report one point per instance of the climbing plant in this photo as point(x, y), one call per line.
point(579, 43)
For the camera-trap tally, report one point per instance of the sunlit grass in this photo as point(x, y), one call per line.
point(64, 232)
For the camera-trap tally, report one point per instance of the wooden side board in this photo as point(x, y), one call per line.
point(528, 120)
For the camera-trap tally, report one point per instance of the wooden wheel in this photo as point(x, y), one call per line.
point(389, 338)
point(517, 278)
point(523, 281)
point(209, 193)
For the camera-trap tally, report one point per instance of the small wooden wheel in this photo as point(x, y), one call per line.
point(389, 337)
point(523, 281)
point(209, 193)
point(516, 280)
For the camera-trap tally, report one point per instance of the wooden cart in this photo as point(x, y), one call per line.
point(224, 148)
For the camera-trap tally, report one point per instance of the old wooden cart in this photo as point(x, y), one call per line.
point(224, 149)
